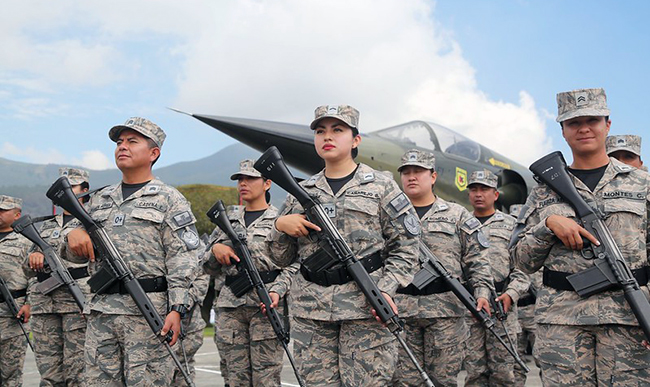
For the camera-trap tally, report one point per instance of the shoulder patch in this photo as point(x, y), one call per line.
point(182, 219)
point(399, 203)
point(152, 189)
point(472, 223)
point(411, 224)
point(190, 237)
point(367, 177)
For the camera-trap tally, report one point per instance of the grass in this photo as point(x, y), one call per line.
point(208, 331)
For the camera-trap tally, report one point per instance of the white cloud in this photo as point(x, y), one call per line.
point(91, 159)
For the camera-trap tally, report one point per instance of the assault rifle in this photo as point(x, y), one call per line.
point(610, 271)
point(217, 215)
point(60, 275)
point(432, 269)
point(13, 308)
point(272, 166)
point(60, 193)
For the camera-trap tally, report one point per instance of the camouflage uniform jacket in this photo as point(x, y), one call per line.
point(498, 229)
point(372, 215)
point(622, 195)
point(257, 234)
point(59, 300)
point(13, 250)
point(153, 229)
point(452, 234)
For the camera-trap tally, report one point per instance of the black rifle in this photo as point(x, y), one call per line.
point(217, 215)
point(272, 166)
point(60, 274)
point(610, 271)
point(13, 308)
point(60, 193)
point(432, 269)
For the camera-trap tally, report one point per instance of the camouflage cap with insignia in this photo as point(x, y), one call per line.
point(626, 142)
point(246, 169)
point(484, 177)
point(581, 103)
point(142, 126)
point(76, 176)
point(9, 203)
point(418, 158)
point(345, 113)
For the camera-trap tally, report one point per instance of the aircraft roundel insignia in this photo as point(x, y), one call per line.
point(461, 179)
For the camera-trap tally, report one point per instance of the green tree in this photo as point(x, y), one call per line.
point(202, 197)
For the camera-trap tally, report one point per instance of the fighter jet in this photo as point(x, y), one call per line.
point(456, 156)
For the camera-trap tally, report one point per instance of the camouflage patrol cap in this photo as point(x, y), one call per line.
point(76, 176)
point(418, 158)
point(626, 142)
point(142, 126)
point(9, 203)
point(485, 177)
point(580, 103)
point(246, 169)
point(515, 209)
point(345, 113)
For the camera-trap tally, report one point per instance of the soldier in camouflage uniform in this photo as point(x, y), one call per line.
point(435, 326)
point(152, 227)
point(14, 249)
point(626, 149)
point(487, 362)
point(58, 327)
point(245, 337)
point(595, 340)
point(337, 342)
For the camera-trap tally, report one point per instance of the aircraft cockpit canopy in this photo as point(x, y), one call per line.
point(430, 136)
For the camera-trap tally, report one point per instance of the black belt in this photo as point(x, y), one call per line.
point(149, 285)
point(527, 300)
point(15, 294)
point(240, 284)
point(76, 273)
point(557, 279)
point(340, 276)
point(436, 286)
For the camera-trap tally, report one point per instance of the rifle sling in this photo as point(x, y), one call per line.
point(340, 275)
point(15, 294)
point(558, 279)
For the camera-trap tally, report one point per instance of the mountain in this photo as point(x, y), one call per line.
point(31, 181)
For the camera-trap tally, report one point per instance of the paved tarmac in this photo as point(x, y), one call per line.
point(208, 374)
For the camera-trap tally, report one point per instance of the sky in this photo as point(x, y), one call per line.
point(70, 70)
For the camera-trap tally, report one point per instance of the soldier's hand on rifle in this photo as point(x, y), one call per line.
point(390, 302)
point(173, 323)
point(223, 254)
point(569, 232)
point(295, 225)
point(25, 312)
point(36, 261)
point(80, 244)
point(506, 300)
point(646, 344)
point(483, 303)
point(275, 300)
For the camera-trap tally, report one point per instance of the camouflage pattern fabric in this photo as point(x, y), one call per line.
point(12, 359)
point(344, 353)
point(625, 142)
point(345, 113)
point(581, 103)
point(192, 342)
point(488, 363)
point(154, 231)
point(526, 318)
point(122, 350)
point(439, 344)
point(622, 194)
point(248, 343)
point(372, 215)
point(452, 234)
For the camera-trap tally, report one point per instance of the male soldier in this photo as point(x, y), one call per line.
point(435, 326)
point(13, 252)
point(595, 340)
point(626, 149)
point(487, 363)
point(526, 316)
point(152, 227)
point(58, 326)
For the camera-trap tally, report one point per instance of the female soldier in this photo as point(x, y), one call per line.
point(245, 338)
point(337, 341)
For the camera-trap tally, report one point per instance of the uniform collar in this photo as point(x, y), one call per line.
point(363, 175)
point(115, 191)
point(614, 168)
